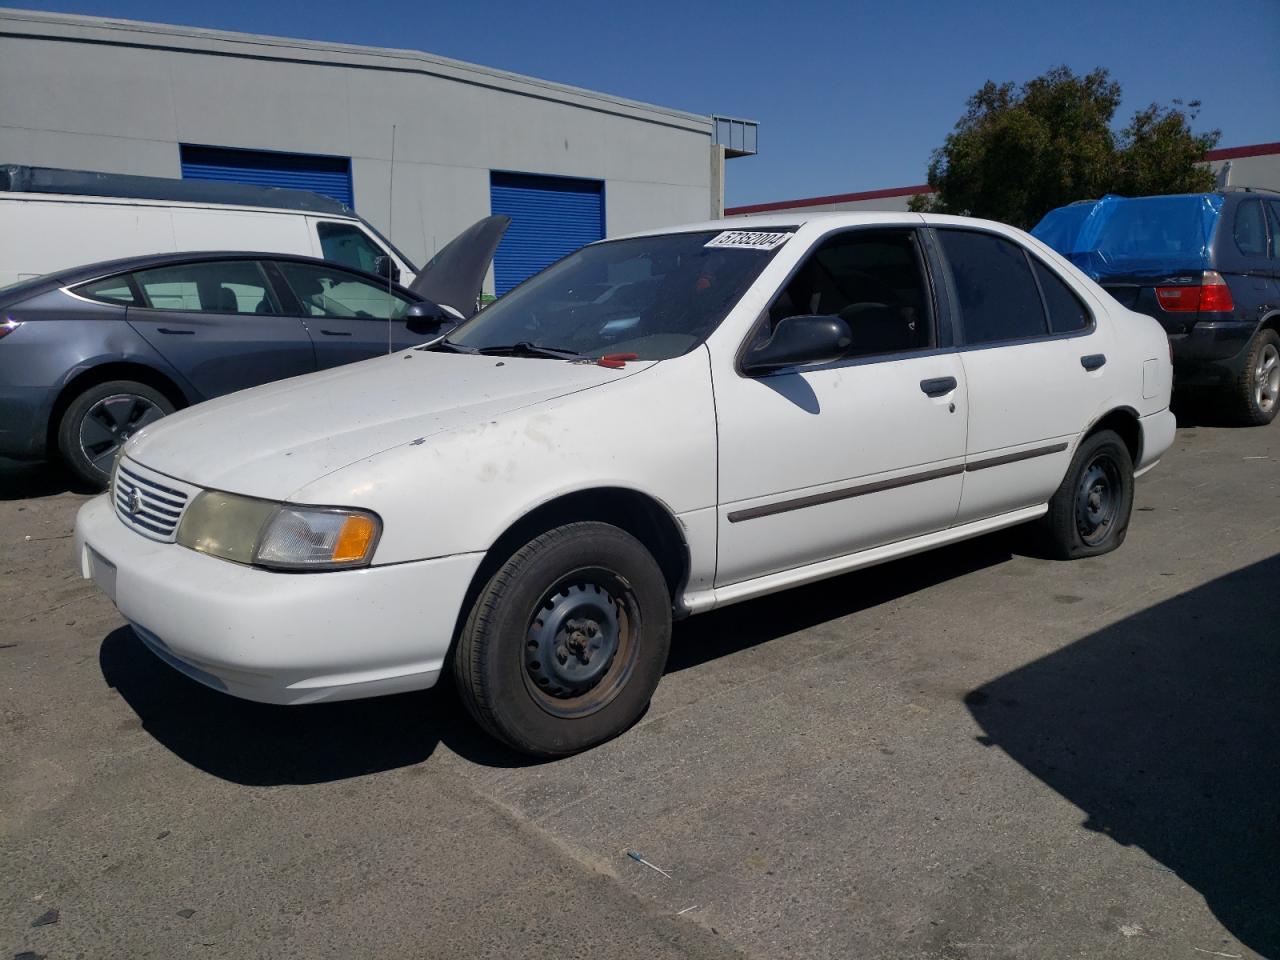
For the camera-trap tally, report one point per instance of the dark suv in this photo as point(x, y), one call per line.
point(1207, 266)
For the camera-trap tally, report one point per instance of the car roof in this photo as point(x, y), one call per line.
point(827, 220)
point(106, 268)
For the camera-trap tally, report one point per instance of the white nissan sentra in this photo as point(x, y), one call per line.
point(653, 427)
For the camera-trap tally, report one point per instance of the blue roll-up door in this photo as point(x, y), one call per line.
point(550, 217)
point(330, 176)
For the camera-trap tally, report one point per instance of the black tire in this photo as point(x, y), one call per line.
point(1254, 399)
point(1089, 513)
point(100, 420)
point(554, 597)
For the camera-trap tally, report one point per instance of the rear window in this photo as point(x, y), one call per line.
point(998, 296)
point(111, 289)
point(1144, 235)
point(1066, 312)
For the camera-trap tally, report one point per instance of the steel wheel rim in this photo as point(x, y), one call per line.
point(1098, 499)
point(110, 422)
point(1266, 378)
point(580, 643)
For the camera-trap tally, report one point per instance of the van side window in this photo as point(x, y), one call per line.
point(871, 279)
point(1251, 229)
point(222, 286)
point(1066, 312)
point(343, 244)
point(998, 296)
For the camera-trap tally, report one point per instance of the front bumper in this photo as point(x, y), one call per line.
point(285, 638)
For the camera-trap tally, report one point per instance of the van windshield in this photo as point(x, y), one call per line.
point(656, 297)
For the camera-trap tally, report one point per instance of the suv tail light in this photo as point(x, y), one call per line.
point(1211, 295)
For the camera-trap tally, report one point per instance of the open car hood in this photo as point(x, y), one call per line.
point(455, 276)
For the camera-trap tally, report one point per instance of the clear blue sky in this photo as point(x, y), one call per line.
point(849, 95)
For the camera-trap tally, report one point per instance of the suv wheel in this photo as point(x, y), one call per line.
point(100, 420)
point(566, 642)
point(1089, 514)
point(1256, 392)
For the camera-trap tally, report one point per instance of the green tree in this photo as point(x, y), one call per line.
point(1019, 152)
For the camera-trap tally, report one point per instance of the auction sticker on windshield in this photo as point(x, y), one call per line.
point(749, 240)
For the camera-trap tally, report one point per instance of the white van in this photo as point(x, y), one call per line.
point(53, 219)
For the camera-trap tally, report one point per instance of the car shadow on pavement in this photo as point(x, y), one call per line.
point(1164, 728)
point(263, 745)
point(260, 744)
point(20, 480)
point(744, 625)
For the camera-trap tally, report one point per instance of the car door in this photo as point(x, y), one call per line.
point(219, 323)
point(1037, 366)
point(824, 461)
point(349, 317)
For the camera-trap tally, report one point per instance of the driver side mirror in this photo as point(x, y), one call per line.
point(427, 318)
point(799, 340)
point(386, 268)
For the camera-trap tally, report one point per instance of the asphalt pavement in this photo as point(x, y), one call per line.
point(968, 754)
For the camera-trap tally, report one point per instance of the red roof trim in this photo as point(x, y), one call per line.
point(837, 198)
point(1227, 153)
point(1235, 153)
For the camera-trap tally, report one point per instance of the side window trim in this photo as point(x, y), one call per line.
point(290, 305)
point(916, 231)
point(962, 342)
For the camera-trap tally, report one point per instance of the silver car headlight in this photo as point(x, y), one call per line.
point(279, 536)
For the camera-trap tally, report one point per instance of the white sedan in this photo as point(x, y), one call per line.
point(651, 428)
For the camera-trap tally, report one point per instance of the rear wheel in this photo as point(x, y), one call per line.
point(567, 641)
point(1255, 396)
point(1089, 513)
point(100, 420)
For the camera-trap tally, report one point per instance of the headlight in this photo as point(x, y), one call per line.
point(276, 535)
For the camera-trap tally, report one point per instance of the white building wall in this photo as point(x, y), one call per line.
point(120, 96)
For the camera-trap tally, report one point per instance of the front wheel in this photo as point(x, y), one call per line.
point(1089, 513)
point(567, 641)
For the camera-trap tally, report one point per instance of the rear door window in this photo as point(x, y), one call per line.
point(1251, 229)
point(1066, 312)
point(220, 286)
point(997, 293)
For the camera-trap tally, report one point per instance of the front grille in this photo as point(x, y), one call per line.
point(150, 504)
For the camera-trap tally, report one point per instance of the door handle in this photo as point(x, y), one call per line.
point(938, 386)
point(1093, 361)
point(336, 333)
point(173, 333)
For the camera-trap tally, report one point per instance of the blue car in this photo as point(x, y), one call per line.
point(1207, 266)
point(90, 355)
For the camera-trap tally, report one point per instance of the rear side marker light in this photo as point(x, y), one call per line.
point(1211, 295)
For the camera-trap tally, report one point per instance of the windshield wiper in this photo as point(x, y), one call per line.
point(446, 344)
point(526, 349)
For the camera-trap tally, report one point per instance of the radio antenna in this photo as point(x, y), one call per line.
point(391, 196)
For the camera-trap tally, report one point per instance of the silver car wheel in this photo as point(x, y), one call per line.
point(110, 422)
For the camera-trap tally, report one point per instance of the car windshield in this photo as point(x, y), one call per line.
point(655, 297)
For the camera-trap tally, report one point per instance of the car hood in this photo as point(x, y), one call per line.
point(272, 440)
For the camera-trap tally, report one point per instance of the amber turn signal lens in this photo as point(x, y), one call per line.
point(354, 539)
